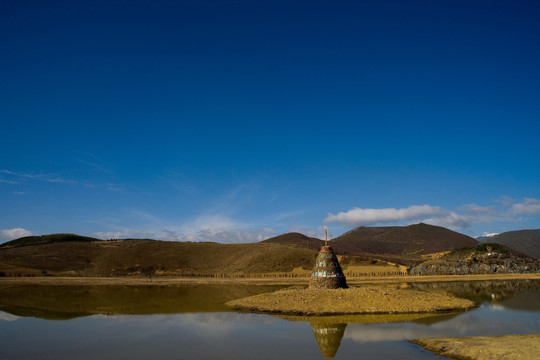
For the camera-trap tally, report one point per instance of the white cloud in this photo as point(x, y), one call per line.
point(452, 220)
point(504, 209)
point(215, 221)
point(229, 236)
point(358, 217)
point(215, 228)
point(123, 234)
point(10, 234)
point(505, 201)
point(528, 206)
point(476, 209)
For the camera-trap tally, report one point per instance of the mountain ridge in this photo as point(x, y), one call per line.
point(411, 240)
point(416, 239)
point(527, 241)
point(75, 255)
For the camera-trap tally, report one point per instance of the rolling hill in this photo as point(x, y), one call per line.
point(296, 239)
point(150, 257)
point(526, 241)
point(400, 244)
point(69, 254)
point(47, 239)
point(418, 239)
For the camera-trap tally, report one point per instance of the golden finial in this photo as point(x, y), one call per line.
point(325, 237)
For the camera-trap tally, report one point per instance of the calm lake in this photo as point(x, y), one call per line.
point(191, 322)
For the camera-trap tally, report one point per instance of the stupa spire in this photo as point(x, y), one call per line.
point(325, 237)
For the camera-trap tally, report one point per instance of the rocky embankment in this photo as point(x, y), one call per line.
point(487, 263)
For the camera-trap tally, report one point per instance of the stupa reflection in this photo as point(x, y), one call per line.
point(328, 337)
point(329, 330)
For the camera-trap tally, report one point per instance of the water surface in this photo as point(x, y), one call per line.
point(191, 322)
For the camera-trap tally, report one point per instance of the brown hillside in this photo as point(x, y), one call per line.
point(526, 241)
point(297, 239)
point(150, 257)
point(418, 239)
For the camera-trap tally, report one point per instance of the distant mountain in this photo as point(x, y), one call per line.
point(418, 239)
point(526, 241)
point(47, 239)
point(74, 255)
point(402, 244)
point(485, 238)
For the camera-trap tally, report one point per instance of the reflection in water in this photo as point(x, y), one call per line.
point(329, 330)
point(70, 301)
point(328, 337)
point(192, 321)
point(488, 291)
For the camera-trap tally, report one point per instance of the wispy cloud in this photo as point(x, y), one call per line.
point(229, 236)
point(95, 163)
point(40, 177)
point(505, 201)
point(123, 234)
point(216, 228)
point(317, 232)
point(476, 209)
point(14, 177)
point(163, 229)
point(15, 233)
point(212, 235)
point(528, 206)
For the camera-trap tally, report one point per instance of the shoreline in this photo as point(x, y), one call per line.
point(363, 300)
point(522, 347)
point(173, 281)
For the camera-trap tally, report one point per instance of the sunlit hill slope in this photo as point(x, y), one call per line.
point(292, 253)
point(526, 241)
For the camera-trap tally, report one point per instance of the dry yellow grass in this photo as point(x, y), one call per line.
point(515, 347)
point(374, 270)
point(357, 300)
point(434, 256)
point(142, 280)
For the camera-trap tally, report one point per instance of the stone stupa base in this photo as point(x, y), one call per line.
point(317, 283)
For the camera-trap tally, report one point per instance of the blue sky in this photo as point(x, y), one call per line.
point(234, 121)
